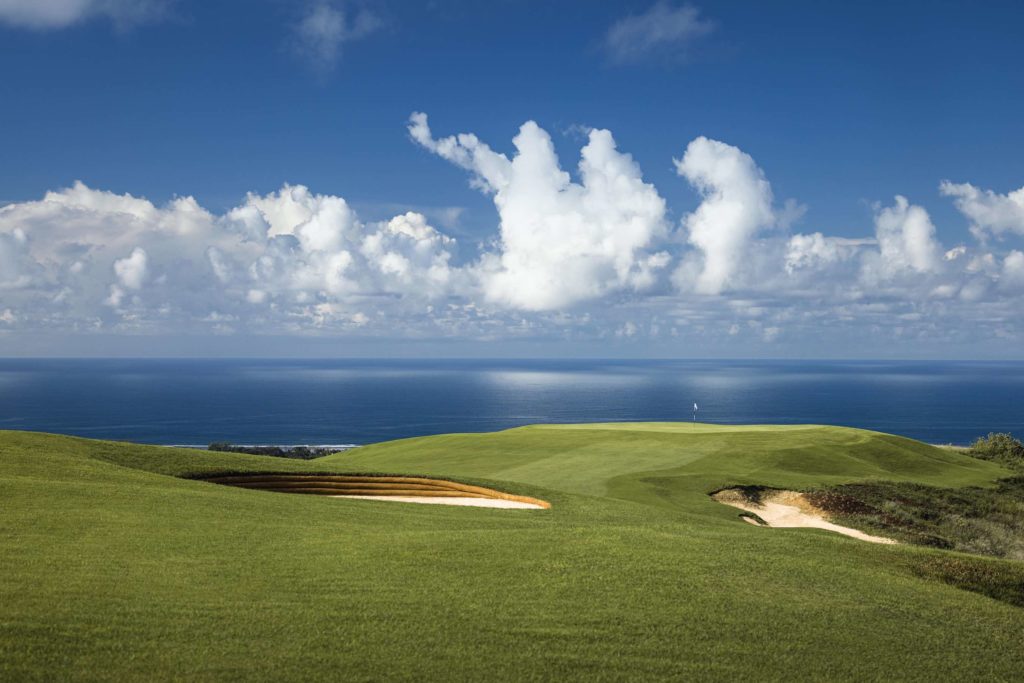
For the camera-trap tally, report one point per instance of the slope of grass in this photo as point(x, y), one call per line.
point(988, 521)
point(657, 463)
point(114, 567)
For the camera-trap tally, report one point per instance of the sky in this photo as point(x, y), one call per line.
point(511, 178)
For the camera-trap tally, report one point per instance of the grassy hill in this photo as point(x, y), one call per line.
point(114, 566)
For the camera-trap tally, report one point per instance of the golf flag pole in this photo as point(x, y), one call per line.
point(695, 412)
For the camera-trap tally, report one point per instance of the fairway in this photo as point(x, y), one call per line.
point(118, 562)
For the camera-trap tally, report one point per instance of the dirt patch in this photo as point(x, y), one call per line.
point(787, 509)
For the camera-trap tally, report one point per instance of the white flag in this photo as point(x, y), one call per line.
point(695, 407)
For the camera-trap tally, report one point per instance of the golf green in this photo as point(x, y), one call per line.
point(117, 562)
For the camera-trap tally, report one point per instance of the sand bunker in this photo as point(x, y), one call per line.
point(396, 489)
point(788, 509)
point(457, 500)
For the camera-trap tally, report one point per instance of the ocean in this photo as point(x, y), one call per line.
point(364, 401)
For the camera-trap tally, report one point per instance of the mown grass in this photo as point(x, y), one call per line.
point(999, 580)
point(114, 567)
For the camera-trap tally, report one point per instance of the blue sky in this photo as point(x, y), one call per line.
point(839, 106)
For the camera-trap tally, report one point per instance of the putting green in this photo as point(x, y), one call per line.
point(117, 563)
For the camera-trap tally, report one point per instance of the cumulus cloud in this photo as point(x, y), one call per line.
point(1013, 270)
point(302, 248)
point(906, 240)
point(131, 270)
point(561, 242)
point(737, 204)
point(576, 256)
point(55, 14)
point(324, 29)
point(990, 213)
point(290, 256)
point(816, 251)
point(15, 267)
point(662, 31)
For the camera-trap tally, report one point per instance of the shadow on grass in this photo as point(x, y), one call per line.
point(997, 579)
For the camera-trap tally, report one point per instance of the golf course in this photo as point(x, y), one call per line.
point(121, 561)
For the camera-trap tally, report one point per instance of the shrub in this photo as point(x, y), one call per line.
point(1001, 448)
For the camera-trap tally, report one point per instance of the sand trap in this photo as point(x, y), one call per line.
point(471, 502)
point(382, 487)
point(789, 509)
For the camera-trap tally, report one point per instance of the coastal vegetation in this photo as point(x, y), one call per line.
point(973, 519)
point(297, 452)
point(1001, 448)
point(980, 520)
point(117, 562)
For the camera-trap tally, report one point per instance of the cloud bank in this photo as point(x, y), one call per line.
point(586, 254)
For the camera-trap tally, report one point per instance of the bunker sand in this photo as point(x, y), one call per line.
point(388, 488)
point(456, 500)
point(789, 509)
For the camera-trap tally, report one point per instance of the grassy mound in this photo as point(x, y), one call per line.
point(116, 562)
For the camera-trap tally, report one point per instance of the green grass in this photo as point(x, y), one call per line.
point(112, 566)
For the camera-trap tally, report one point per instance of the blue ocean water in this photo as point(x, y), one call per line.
point(364, 401)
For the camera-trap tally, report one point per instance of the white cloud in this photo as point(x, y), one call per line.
point(906, 243)
point(54, 14)
point(579, 257)
point(303, 248)
point(1013, 270)
point(561, 242)
point(288, 252)
point(661, 31)
point(131, 271)
point(736, 205)
point(990, 213)
point(955, 253)
point(411, 257)
point(627, 330)
point(15, 267)
point(324, 29)
point(816, 251)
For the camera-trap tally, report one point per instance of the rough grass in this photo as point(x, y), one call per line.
point(112, 567)
point(999, 580)
point(988, 521)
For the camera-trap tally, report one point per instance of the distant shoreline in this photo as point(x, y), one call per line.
point(349, 446)
point(206, 447)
